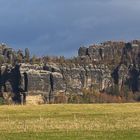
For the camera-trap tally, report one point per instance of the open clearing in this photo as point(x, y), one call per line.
point(70, 122)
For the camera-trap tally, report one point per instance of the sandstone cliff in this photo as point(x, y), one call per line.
point(110, 67)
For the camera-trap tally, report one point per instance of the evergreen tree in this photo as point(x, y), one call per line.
point(27, 55)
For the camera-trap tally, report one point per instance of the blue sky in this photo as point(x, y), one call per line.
point(60, 27)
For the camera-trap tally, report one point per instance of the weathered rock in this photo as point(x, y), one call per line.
point(83, 51)
point(99, 67)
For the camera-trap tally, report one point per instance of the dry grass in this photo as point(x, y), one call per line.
point(34, 100)
point(80, 121)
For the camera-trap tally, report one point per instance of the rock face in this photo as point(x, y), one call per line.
point(104, 51)
point(124, 58)
point(43, 82)
point(10, 81)
point(99, 67)
point(68, 80)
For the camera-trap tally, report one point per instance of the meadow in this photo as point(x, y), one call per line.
point(70, 122)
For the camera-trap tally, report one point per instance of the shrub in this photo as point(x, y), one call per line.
point(136, 96)
point(74, 98)
point(1, 101)
point(60, 98)
point(96, 97)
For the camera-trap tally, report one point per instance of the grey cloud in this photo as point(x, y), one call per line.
point(60, 27)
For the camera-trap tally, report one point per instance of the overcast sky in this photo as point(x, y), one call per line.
point(60, 27)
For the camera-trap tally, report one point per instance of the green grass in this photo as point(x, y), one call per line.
point(70, 122)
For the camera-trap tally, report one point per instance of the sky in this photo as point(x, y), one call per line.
point(60, 27)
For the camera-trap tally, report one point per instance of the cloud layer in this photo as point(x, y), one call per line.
point(60, 27)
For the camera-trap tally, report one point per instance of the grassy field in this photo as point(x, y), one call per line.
point(70, 122)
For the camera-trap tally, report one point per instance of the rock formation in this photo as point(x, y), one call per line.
point(100, 67)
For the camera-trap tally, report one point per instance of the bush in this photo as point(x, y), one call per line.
point(137, 96)
point(60, 98)
point(74, 98)
point(96, 97)
point(1, 101)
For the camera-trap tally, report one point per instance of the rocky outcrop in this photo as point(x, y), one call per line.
point(104, 51)
point(10, 81)
point(68, 80)
point(105, 67)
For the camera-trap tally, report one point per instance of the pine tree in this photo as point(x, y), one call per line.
point(27, 55)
